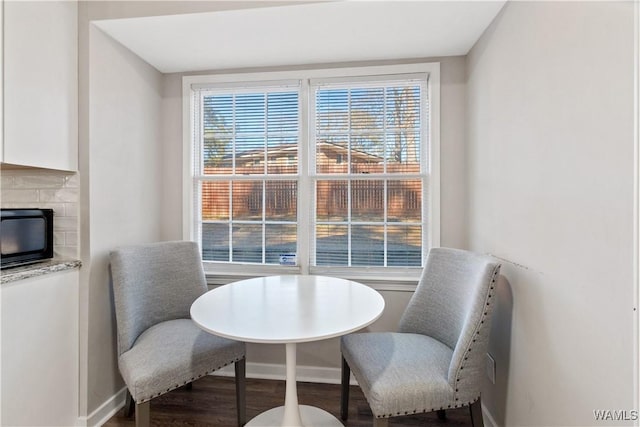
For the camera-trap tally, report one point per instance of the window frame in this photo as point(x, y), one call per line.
point(224, 272)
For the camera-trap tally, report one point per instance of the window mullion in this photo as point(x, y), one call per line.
point(386, 221)
point(349, 182)
point(264, 181)
point(197, 165)
point(233, 134)
point(264, 219)
point(386, 182)
point(265, 135)
point(349, 227)
point(306, 184)
point(349, 130)
point(384, 131)
point(233, 172)
point(230, 221)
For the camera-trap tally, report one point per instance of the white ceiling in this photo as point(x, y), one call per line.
point(305, 33)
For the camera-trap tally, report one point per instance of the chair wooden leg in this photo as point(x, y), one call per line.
point(476, 414)
point(189, 386)
point(129, 405)
point(142, 414)
point(442, 415)
point(241, 403)
point(344, 391)
point(381, 422)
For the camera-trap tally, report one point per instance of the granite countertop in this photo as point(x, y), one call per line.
point(37, 269)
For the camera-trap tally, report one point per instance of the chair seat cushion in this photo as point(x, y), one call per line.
point(171, 354)
point(400, 373)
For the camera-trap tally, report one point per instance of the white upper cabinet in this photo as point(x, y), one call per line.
point(41, 84)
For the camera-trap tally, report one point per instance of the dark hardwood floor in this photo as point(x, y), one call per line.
point(211, 402)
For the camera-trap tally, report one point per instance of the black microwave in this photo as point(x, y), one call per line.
point(26, 236)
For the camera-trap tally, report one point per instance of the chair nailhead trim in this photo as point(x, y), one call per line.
point(482, 319)
point(449, 406)
point(146, 399)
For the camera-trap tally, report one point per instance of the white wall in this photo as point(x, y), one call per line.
point(550, 135)
point(120, 202)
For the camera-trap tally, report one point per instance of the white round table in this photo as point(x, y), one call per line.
point(288, 310)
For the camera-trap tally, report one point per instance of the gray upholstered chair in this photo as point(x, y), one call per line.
point(159, 346)
point(436, 359)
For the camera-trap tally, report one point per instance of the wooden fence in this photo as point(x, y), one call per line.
point(404, 198)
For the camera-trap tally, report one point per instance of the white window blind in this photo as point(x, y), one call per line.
point(246, 172)
point(369, 172)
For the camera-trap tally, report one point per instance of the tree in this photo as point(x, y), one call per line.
point(405, 116)
point(369, 114)
point(217, 136)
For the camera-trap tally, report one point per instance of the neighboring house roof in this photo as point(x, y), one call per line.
point(281, 150)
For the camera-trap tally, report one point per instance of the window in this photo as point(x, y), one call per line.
point(332, 170)
point(368, 172)
point(246, 185)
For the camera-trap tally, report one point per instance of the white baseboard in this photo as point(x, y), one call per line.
point(272, 371)
point(489, 421)
point(107, 410)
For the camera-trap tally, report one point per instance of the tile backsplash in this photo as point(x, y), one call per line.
point(39, 188)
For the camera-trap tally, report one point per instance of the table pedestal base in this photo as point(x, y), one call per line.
point(311, 417)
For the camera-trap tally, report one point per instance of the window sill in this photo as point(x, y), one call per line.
point(403, 280)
